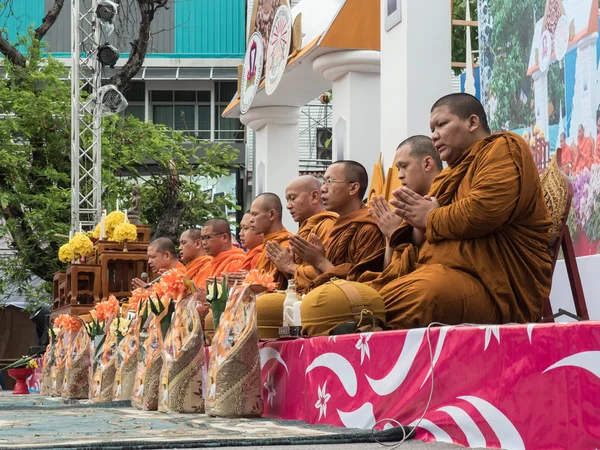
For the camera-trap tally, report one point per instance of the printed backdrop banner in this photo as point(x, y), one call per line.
point(539, 78)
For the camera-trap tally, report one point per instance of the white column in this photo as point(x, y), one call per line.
point(276, 143)
point(356, 103)
point(415, 70)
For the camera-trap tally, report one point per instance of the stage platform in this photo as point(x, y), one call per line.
point(533, 386)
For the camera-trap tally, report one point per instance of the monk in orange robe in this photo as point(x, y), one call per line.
point(303, 196)
point(597, 149)
point(486, 224)
point(162, 257)
point(566, 155)
point(193, 255)
point(252, 242)
point(584, 151)
point(355, 235)
point(266, 211)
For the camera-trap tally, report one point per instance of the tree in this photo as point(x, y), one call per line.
point(35, 167)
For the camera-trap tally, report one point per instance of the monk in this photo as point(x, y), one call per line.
point(193, 255)
point(418, 164)
point(584, 151)
point(486, 224)
point(566, 154)
point(355, 235)
point(251, 241)
point(217, 243)
point(266, 212)
point(161, 259)
point(597, 149)
point(303, 196)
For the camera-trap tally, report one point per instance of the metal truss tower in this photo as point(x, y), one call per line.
point(86, 120)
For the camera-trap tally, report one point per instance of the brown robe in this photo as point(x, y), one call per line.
point(485, 257)
point(321, 225)
point(263, 263)
point(353, 238)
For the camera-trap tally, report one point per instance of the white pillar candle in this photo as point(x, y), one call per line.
point(117, 204)
point(103, 226)
point(126, 218)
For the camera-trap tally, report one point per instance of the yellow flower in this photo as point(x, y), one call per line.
point(125, 232)
point(81, 245)
point(96, 233)
point(123, 326)
point(112, 220)
point(65, 253)
point(32, 364)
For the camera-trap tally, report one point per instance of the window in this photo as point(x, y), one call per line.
point(136, 98)
point(187, 111)
point(226, 129)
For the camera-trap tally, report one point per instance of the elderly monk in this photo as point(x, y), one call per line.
point(585, 155)
point(193, 255)
point(161, 258)
point(266, 211)
point(486, 224)
point(355, 235)
point(216, 241)
point(566, 154)
point(418, 164)
point(251, 241)
point(303, 196)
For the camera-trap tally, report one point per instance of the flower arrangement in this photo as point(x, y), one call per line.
point(124, 232)
point(114, 219)
point(262, 278)
point(81, 245)
point(119, 327)
point(68, 322)
point(65, 253)
point(96, 233)
point(217, 295)
point(26, 362)
point(137, 296)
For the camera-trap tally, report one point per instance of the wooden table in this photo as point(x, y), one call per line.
point(118, 269)
point(82, 284)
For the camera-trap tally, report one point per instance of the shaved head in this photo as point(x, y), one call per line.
point(269, 201)
point(305, 183)
point(355, 172)
point(303, 197)
point(218, 226)
point(422, 147)
point(163, 245)
point(464, 106)
point(193, 233)
point(190, 245)
point(266, 211)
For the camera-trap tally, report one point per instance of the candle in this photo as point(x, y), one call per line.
point(80, 230)
point(117, 204)
point(126, 218)
point(103, 226)
point(70, 234)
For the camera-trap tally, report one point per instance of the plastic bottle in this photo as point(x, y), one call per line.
point(290, 298)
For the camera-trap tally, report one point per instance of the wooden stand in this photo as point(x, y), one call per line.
point(58, 282)
point(83, 284)
point(119, 268)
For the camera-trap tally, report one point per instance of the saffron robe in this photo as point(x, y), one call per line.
point(352, 240)
point(263, 263)
point(485, 259)
point(584, 154)
point(321, 225)
point(194, 270)
point(227, 262)
point(566, 158)
point(252, 258)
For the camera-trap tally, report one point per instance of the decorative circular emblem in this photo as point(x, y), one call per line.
point(561, 38)
point(545, 51)
point(252, 71)
point(279, 48)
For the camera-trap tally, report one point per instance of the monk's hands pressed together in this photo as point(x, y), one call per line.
point(283, 258)
point(413, 208)
point(312, 252)
point(387, 221)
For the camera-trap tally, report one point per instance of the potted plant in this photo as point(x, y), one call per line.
point(21, 370)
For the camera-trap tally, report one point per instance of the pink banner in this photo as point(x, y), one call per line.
point(513, 386)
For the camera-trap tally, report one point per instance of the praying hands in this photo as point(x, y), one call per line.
point(283, 258)
point(312, 252)
point(412, 207)
point(387, 221)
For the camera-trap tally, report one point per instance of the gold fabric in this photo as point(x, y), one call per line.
point(485, 257)
point(147, 377)
point(77, 372)
point(338, 302)
point(556, 189)
point(127, 361)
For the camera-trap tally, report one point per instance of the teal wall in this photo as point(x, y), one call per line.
point(24, 13)
point(211, 27)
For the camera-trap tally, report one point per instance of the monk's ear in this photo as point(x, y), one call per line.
point(474, 122)
point(355, 187)
point(427, 163)
point(315, 196)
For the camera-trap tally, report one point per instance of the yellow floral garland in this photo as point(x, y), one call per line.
point(114, 219)
point(125, 232)
point(65, 253)
point(81, 245)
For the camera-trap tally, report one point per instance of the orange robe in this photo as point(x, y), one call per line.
point(485, 258)
point(352, 240)
point(228, 261)
point(252, 258)
point(321, 225)
point(263, 263)
point(597, 151)
point(584, 154)
point(194, 268)
point(566, 158)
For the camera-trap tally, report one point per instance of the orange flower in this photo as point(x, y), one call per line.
point(74, 324)
point(107, 308)
point(62, 321)
point(260, 277)
point(136, 296)
point(172, 284)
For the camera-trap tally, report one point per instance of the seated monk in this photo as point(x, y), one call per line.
point(303, 196)
point(418, 164)
point(161, 259)
point(251, 241)
point(486, 224)
point(193, 255)
point(566, 155)
point(355, 235)
point(266, 213)
point(585, 155)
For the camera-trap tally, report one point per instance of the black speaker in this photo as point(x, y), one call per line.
point(41, 318)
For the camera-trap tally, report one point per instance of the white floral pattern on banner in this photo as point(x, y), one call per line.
point(324, 397)
point(270, 387)
point(363, 346)
point(489, 330)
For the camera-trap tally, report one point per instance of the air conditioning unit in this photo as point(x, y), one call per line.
point(324, 144)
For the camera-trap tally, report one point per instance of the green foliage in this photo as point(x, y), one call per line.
point(459, 34)
point(35, 166)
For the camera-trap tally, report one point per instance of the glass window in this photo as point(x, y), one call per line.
point(204, 122)
point(185, 96)
point(162, 96)
point(137, 111)
point(136, 92)
point(185, 117)
point(226, 90)
point(163, 114)
point(204, 96)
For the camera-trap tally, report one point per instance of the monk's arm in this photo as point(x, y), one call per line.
point(487, 207)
